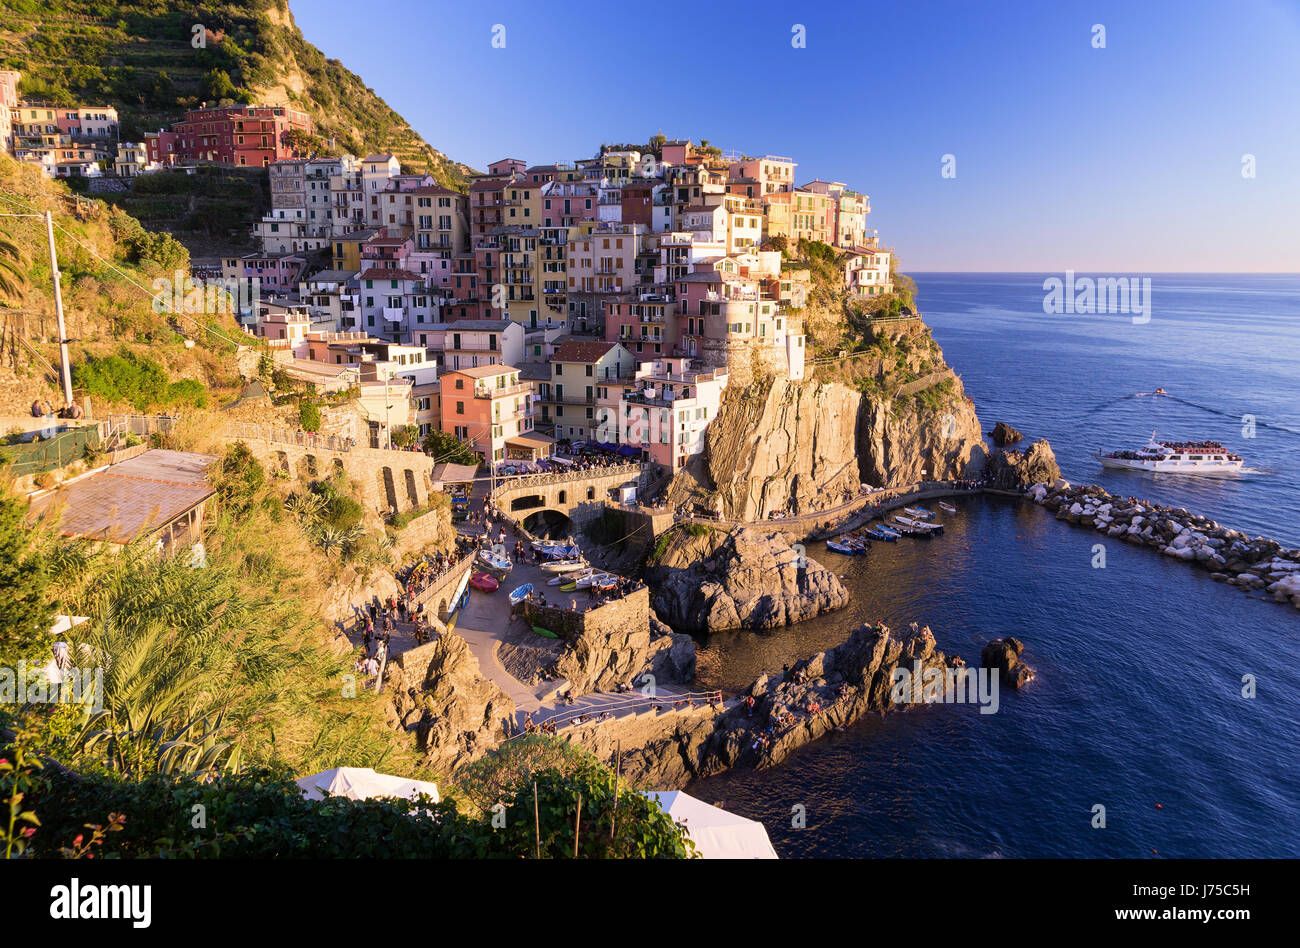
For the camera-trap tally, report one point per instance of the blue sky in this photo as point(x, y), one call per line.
point(1126, 159)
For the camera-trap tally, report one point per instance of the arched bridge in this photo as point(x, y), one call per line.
point(578, 495)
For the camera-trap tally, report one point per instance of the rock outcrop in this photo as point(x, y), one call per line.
point(439, 693)
point(746, 579)
point(1230, 556)
point(829, 690)
point(1020, 470)
point(1003, 434)
point(796, 448)
point(1004, 655)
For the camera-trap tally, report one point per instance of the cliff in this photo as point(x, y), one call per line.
point(890, 415)
point(746, 579)
point(439, 692)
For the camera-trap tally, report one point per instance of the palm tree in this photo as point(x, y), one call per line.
point(13, 269)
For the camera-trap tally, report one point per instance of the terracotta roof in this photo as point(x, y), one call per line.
point(578, 350)
point(389, 273)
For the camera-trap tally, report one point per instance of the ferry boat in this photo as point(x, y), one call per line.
point(1176, 457)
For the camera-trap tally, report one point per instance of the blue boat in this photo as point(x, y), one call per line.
point(521, 593)
point(879, 533)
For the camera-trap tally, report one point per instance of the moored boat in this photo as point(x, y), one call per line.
point(918, 512)
point(484, 583)
point(497, 561)
point(881, 533)
point(564, 566)
point(947, 507)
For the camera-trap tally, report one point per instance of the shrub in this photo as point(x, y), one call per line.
point(309, 416)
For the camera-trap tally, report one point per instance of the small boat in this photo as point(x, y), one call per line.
point(944, 505)
point(844, 549)
point(521, 593)
point(919, 526)
point(565, 566)
point(568, 587)
point(484, 583)
point(880, 533)
point(547, 633)
point(599, 580)
point(918, 512)
point(1160, 391)
point(887, 530)
point(496, 561)
point(559, 551)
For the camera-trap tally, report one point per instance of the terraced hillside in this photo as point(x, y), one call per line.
point(138, 55)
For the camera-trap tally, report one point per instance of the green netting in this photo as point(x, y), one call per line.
point(48, 454)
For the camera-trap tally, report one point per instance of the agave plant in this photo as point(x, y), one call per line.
point(306, 507)
point(124, 741)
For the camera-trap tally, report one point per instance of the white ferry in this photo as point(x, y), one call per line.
point(1176, 457)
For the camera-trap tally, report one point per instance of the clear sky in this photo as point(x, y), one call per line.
point(1123, 159)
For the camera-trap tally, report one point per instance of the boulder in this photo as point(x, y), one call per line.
point(1004, 655)
point(1003, 434)
point(1021, 470)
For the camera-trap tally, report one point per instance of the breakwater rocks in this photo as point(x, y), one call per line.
point(830, 690)
point(1004, 655)
point(1230, 555)
point(1019, 470)
point(745, 579)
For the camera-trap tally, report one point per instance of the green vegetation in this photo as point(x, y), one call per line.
point(308, 416)
point(406, 436)
point(262, 814)
point(447, 447)
point(137, 380)
point(139, 56)
point(24, 586)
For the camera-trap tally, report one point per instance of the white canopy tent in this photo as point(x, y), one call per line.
point(362, 783)
point(716, 833)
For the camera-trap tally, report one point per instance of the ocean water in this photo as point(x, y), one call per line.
point(1138, 702)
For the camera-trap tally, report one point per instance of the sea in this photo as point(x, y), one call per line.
point(1164, 720)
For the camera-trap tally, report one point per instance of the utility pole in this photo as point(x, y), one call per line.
point(65, 369)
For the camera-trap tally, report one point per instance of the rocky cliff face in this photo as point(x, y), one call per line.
point(830, 690)
point(800, 447)
point(902, 441)
point(746, 579)
point(439, 693)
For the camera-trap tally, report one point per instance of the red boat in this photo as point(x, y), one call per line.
point(484, 583)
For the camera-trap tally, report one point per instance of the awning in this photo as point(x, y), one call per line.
point(532, 439)
point(453, 473)
point(362, 783)
point(717, 834)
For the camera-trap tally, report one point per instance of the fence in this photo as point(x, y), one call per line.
point(36, 457)
point(239, 431)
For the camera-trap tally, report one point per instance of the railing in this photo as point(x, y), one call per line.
point(568, 477)
point(240, 431)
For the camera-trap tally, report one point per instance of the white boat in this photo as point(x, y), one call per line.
point(919, 524)
point(1175, 457)
point(564, 566)
point(497, 561)
point(592, 578)
point(919, 513)
point(947, 507)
